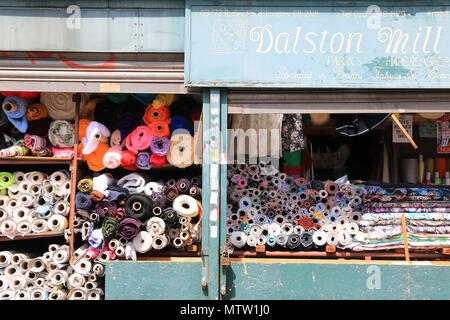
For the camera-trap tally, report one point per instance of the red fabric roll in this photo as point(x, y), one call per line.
point(153, 114)
point(21, 94)
point(128, 160)
point(158, 161)
point(160, 129)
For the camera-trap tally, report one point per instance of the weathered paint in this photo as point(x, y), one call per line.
point(313, 44)
point(109, 29)
point(260, 280)
point(154, 280)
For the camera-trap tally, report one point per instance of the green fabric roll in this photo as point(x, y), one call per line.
point(85, 185)
point(6, 179)
point(292, 158)
point(117, 97)
point(109, 227)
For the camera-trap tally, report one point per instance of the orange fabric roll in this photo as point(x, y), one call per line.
point(82, 127)
point(163, 100)
point(36, 111)
point(95, 159)
point(440, 165)
point(160, 129)
point(153, 114)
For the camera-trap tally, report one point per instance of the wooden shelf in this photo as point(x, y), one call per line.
point(33, 236)
point(35, 160)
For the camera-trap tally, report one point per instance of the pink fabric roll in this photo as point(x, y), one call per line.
point(139, 139)
point(112, 157)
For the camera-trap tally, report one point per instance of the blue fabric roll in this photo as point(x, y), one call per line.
point(83, 201)
point(117, 193)
point(180, 122)
point(16, 117)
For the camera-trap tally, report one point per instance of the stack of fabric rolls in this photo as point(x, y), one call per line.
point(33, 202)
point(427, 214)
point(24, 276)
point(135, 136)
point(268, 208)
point(38, 124)
point(119, 217)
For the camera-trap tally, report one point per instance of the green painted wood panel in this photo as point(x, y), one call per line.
point(151, 280)
point(317, 281)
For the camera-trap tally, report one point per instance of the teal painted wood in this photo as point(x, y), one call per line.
point(99, 30)
point(149, 280)
point(317, 281)
point(299, 44)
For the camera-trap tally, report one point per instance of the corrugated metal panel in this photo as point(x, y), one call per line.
point(342, 101)
point(92, 72)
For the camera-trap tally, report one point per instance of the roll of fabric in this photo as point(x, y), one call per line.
point(83, 201)
point(181, 151)
point(8, 227)
point(21, 94)
point(15, 110)
point(112, 157)
point(109, 227)
point(60, 105)
point(160, 145)
point(117, 193)
point(36, 111)
point(85, 185)
point(158, 161)
point(138, 206)
point(186, 206)
point(39, 226)
point(160, 242)
point(6, 180)
point(20, 214)
point(129, 228)
point(95, 159)
point(139, 139)
point(128, 160)
point(180, 122)
point(57, 223)
point(143, 160)
point(143, 242)
point(127, 124)
point(96, 132)
point(156, 226)
point(153, 187)
point(96, 196)
point(18, 149)
point(160, 129)
point(160, 114)
point(134, 182)
point(183, 185)
point(35, 143)
point(105, 208)
point(61, 134)
point(77, 294)
point(171, 193)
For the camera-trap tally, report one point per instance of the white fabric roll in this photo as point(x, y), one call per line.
point(58, 277)
point(57, 295)
point(159, 242)
point(143, 242)
point(62, 208)
point(320, 238)
point(352, 228)
point(58, 178)
point(178, 242)
point(77, 294)
point(17, 258)
point(35, 177)
point(60, 105)
point(332, 239)
point(255, 230)
point(12, 270)
point(134, 182)
point(37, 265)
point(21, 214)
point(76, 280)
point(155, 226)
point(57, 223)
point(30, 275)
point(3, 201)
point(24, 227)
point(39, 226)
point(94, 294)
point(47, 257)
point(287, 228)
point(274, 229)
point(17, 282)
point(4, 283)
point(12, 205)
point(5, 258)
point(83, 266)
point(120, 251)
point(35, 189)
point(61, 255)
point(8, 227)
point(7, 295)
point(25, 200)
point(22, 294)
point(37, 293)
point(99, 269)
point(18, 176)
point(344, 237)
point(102, 182)
point(153, 187)
point(251, 241)
point(130, 251)
point(238, 239)
point(78, 253)
point(298, 230)
point(13, 191)
point(23, 188)
point(186, 206)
